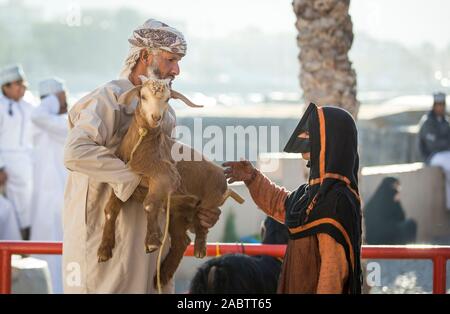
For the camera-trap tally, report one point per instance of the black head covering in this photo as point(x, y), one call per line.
point(383, 213)
point(385, 191)
point(330, 202)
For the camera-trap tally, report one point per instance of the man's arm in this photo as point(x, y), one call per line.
point(424, 138)
point(53, 125)
point(85, 150)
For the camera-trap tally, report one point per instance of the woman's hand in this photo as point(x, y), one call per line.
point(239, 171)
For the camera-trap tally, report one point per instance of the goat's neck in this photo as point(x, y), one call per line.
point(140, 122)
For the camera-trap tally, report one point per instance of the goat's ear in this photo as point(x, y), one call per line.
point(143, 79)
point(176, 95)
point(128, 96)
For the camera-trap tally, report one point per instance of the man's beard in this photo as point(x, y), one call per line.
point(154, 72)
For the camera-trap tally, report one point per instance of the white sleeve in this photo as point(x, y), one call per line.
point(85, 149)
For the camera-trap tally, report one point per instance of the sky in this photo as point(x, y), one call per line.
point(410, 22)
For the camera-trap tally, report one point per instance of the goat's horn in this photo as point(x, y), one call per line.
point(231, 193)
point(176, 95)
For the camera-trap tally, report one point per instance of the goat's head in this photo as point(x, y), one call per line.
point(154, 95)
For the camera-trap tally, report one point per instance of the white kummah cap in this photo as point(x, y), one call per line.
point(439, 97)
point(51, 86)
point(11, 73)
point(155, 34)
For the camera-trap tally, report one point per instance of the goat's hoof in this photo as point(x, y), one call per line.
point(150, 248)
point(200, 253)
point(104, 253)
point(153, 242)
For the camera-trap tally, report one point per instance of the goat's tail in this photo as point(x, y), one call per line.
point(234, 195)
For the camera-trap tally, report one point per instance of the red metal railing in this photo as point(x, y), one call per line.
point(438, 254)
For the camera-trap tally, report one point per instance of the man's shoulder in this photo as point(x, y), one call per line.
point(112, 88)
point(427, 118)
point(104, 95)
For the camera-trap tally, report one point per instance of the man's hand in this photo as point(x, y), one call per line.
point(208, 217)
point(3, 177)
point(239, 171)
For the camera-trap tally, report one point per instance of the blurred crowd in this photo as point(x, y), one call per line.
point(32, 173)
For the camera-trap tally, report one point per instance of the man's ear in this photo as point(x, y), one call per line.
point(128, 96)
point(146, 57)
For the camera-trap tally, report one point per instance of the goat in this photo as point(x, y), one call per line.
point(191, 184)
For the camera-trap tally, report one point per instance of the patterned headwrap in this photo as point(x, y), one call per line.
point(153, 34)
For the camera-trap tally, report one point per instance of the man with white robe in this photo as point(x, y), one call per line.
point(98, 123)
point(16, 165)
point(9, 224)
point(50, 132)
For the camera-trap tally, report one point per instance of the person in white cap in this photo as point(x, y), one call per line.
point(434, 139)
point(54, 87)
point(50, 132)
point(16, 144)
point(97, 124)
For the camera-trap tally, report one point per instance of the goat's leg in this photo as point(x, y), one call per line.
point(179, 242)
point(112, 210)
point(200, 238)
point(153, 238)
point(159, 188)
point(153, 208)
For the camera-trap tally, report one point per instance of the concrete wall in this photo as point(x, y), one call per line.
point(422, 196)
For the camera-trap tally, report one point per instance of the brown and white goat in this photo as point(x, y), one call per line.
point(194, 183)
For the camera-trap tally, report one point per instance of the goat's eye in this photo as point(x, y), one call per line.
point(144, 98)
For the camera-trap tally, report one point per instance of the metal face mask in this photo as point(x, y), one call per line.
point(295, 143)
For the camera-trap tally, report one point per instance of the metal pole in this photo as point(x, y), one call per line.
point(439, 274)
point(5, 271)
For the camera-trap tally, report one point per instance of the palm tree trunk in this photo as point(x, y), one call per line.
point(325, 37)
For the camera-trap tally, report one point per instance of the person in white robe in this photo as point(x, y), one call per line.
point(9, 223)
point(97, 125)
point(16, 165)
point(49, 135)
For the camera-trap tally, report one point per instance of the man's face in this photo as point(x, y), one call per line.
point(15, 90)
point(164, 65)
point(439, 109)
